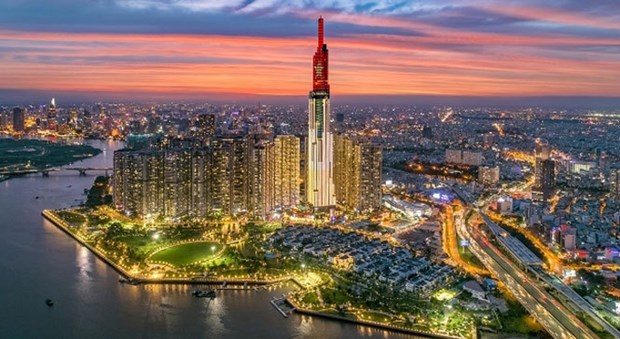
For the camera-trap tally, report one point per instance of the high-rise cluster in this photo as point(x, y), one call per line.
point(231, 175)
point(255, 173)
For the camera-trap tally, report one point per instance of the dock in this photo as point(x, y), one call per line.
point(282, 305)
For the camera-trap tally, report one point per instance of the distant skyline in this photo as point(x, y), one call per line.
point(245, 50)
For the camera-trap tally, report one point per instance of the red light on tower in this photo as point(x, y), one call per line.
point(320, 63)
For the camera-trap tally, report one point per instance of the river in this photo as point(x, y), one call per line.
point(38, 261)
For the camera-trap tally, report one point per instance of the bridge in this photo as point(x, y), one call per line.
point(46, 171)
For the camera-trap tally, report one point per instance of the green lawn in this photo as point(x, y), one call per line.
point(188, 253)
point(72, 218)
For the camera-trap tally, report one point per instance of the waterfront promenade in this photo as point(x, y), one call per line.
point(126, 273)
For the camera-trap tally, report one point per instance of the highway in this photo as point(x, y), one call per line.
point(558, 321)
point(578, 300)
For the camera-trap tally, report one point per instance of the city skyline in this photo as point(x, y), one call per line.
point(464, 183)
point(198, 50)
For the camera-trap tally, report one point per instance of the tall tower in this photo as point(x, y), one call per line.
point(52, 119)
point(544, 172)
point(319, 150)
point(18, 119)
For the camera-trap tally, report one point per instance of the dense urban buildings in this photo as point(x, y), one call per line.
point(242, 170)
point(381, 210)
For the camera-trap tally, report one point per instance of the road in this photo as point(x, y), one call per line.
point(450, 243)
point(558, 321)
point(578, 300)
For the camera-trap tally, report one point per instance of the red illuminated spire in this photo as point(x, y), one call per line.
point(321, 32)
point(320, 63)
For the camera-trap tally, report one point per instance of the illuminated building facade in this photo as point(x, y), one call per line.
point(184, 181)
point(262, 187)
point(52, 116)
point(358, 174)
point(204, 129)
point(319, 184)
point(287, 170)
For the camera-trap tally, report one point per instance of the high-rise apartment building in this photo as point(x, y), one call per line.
point(182, 181)
point(263, 183)
point(177, 182)
point(201, 199)
point(287, 170)
point(357, 174)
point(204, 129)
point(231, 173)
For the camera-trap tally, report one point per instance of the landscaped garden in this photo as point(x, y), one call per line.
point(189, 253)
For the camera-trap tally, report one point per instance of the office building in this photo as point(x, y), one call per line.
point(544, 172)
point(18, 119)
point(544, 186)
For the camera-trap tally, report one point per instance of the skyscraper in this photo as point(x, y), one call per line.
point(4, 119)
point(286, 170)
point(544, 172)
point(358, 172)
point(262, 184)
point(52, 116)
point(319, 150)
point(204, 128)
point(18, 119)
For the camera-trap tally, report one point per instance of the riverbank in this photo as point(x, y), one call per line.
point(135, 279)
point(374, 324)
point(126, 272)
point(23, 156)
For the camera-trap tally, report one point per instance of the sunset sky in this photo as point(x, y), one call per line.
point(208, 49)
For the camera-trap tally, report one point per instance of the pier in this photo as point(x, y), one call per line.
point(282, 305)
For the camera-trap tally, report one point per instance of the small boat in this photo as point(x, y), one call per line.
point(204, 293)
point(49, 302)
point(37, 197)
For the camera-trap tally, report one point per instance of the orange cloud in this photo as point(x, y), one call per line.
point(444, 62)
